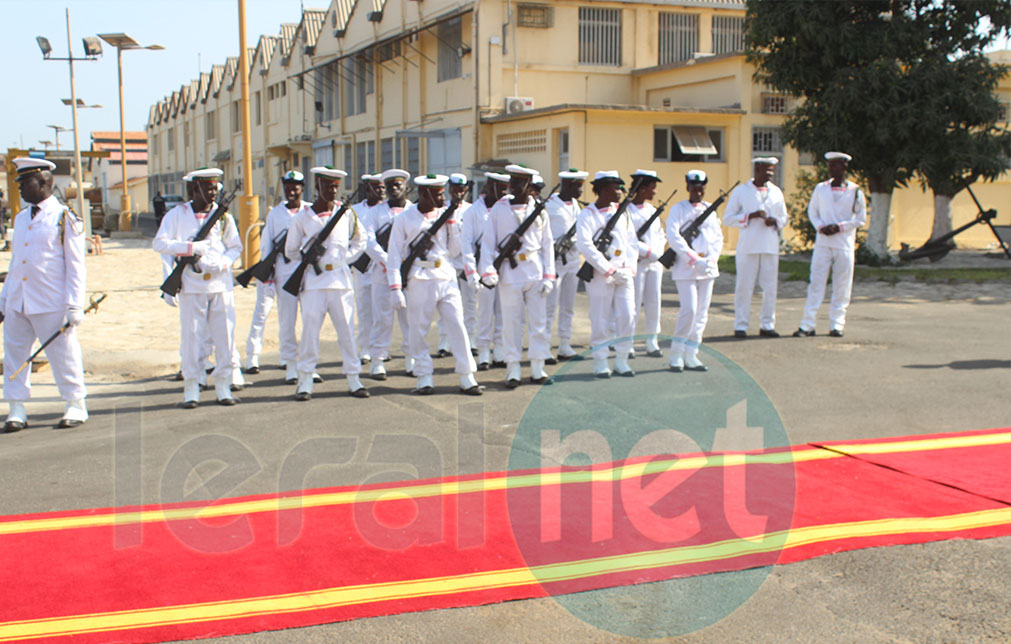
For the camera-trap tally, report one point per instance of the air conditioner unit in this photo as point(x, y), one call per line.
point(517, 104)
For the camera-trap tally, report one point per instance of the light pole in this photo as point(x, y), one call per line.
point(249, 204)
point(121, 42)
point(56, 131)
point(46, 144)
point(92, 50)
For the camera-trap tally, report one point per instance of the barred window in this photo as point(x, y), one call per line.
point(678, 37)
point(774, 104)
point(386, 154)
point(728, 34)
point(210, 125)
point(522, 142)
point(450, 41)
point(599, 36)
point(171, 139)
point(539, 16)
point(766, 140)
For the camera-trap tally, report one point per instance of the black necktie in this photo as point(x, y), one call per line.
point(35, 209)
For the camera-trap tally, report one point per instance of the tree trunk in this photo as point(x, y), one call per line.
point(942, 215)
point(877, 230)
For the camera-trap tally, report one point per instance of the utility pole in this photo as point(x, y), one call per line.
point(249, 204)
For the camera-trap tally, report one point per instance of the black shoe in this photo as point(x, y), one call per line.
point(178, 377)
point(442, 353)
point(484, 366)
point(476, 390)
point(631, 355)
point(209, 370)
point(425, 391)
point(378, 376)
point(655, 354)
point(66, 423)
point(699, 368)
point(740, 334)
point(675, 369)
point(539, 381)
point(552, 360)
point(801, 333)
point(361, 392)
point(768, 333)
point(409, 374)
point(228, 402)
point(302, 396)
point(626, 374)
point(317, 378)
point(835, 333)
point(512, 384)
point(188, 404)
point(473, 352)
point(498, 364)
point(253, 370)
point(205, 387)
point(12, 426)
point(237, 387)
point(293, 381)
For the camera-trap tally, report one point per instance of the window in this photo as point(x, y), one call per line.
point(154, 144)
point(678, 38)
point(413, 156)
point(537, 16)
point(256, 107)
point(209, 125)
point(186, 134)
point(766, 142)
point(235, 116)
point(365, 157)
point(450, 35)
point(347, 159)
point(728, 34)
point(386, 154)
point(171, 139)
point(270, 93)
point(389, 51)
point(359, 81)
point(805, 158)
point(563, 150)
point(686, 143)
point(774, 104)
point(599, 36)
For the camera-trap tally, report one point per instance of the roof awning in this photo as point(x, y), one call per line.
point(224, 155)
point(693, 139)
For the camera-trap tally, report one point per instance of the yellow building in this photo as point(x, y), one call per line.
point(444, 85)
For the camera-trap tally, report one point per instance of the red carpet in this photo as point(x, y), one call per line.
point(267, 562)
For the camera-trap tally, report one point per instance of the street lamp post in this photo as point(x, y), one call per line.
point(121, 42)
point(56, 131)
point(92, 50)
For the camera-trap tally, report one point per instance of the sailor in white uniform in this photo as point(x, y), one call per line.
point(563, 209)
point(459, 187)
point(489, 306)
point(649, 272)
point(375, 193)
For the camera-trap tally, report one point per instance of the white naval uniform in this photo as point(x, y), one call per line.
point(489, 307)
point(46, 277)
point(382, 308)
point(278, 220)
point(612, 305)
point(431, 288)
point(649, 271)
point(520, 288)
point(757, 254)
point(205, 298)
point(332, 291)
point(694, 272)
point(467, 292)
point(363, 286)
point(847, 207)
point(562, 300)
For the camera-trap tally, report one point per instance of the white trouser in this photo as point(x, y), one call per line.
point(204, 315)
point(363, 307)
point(425, 298)
point(382, 320)
point(693, 312)
point(840, 263)
point(265, 296)
point(521, 303)
point(562, 300)
point(316, 304)
point(647, 295)
point(63, 353)
point(489, 318)
point(611, 306)
point(763, 267)
point(287, 318)
point(468, 295)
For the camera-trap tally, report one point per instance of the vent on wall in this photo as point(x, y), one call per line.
point(521, 142)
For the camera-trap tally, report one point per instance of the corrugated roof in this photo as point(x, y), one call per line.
point(217, 75)
point(312, 20)
point(265, 49)
point(287, 34)
point(132, 136)
point(342, 15)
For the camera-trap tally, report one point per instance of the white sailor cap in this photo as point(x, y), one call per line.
point(29, 165)
point(517, 168)
point(832, 156)
point(765, 160)
point(647, 174)
point(206, 174)
point(187, 178)
point(496, 176)
point(372, 178)
point(458, 178)
point(329, 172)
point(538, 180)
point(573, 174)
point(431, 179)
point(293, 176)
point(395, 173)
point(607, 176)
point(697, 176)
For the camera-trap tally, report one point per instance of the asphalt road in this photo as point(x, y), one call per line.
point(904, 367)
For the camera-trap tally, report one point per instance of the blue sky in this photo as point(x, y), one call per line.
point(185, 28)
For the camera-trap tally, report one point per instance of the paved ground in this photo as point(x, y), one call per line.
point(914, 360)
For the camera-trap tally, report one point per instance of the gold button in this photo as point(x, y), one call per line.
point(617, 252)
point(523, 257)
point(22, 261)
point(438, 263)
point(207, 277)
point(24, 279)
point(329, 267)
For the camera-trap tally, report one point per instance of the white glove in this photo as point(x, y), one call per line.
point(623, 276)
point(474, 280)
point(547, 285)
point(171, 300)
point(491, 280)
point(214, 263)
point(74, 315)
point(201, 247)
point(399, 301)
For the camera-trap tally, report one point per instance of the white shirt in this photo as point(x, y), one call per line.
point(471, 231)
point(459, 262)
point(175, 237)
point(844, 206)
point(279, 220)
point(756, 236)
point(708, 244)
point(344, 243)
point(445, 244)
point(652, 242)
point(563, 215)
point(624, 249)
point(380, 215)
point(535, 259)
point(46, 273)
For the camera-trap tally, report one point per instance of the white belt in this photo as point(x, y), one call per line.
point(434, 263)
point(331, 266)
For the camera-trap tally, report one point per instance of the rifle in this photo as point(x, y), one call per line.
point(263, 270)
point(383, 238)
point(936, 249)
point(565, 243)
point(603, 238)
point(423, 242)
point(508, 247)
point(659, 211)
point(315, 249)
point(174, 282)
point(691, 231)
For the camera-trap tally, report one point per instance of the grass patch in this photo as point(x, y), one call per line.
point(792, 269)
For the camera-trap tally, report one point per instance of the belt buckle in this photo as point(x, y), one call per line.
point(523, 257)
point(207, 277)
point(329, 267)
point(437, 263)
point(617, 252)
